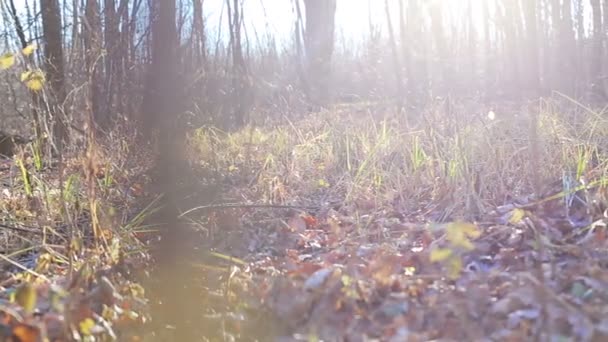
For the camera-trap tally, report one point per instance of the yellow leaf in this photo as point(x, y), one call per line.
point(440, 254)
point(454, 267)
point(86, 326)
point(26, 296)
point(28, 50)
point(232, 168)
point(33, 79)
point(6, 61)
point(409, 271)
point(470, 230)
point(323, 183)
point(459, 233)
point(517, 215)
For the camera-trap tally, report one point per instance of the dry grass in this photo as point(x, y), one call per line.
point(453, 162)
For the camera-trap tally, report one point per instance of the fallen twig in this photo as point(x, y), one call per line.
point(23, 230)
point(247, 206)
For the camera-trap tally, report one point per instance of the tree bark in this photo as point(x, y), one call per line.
point(530, 15)
point(111, 57)
point(597, 87)
point(53, 51)
point(399, 83)
point(93, 63)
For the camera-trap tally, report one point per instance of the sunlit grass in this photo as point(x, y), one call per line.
point(456, 167)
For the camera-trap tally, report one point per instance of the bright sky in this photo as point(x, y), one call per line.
point(352, 16)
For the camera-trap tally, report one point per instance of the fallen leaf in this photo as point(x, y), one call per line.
point(460, 233)
point(26, 333)
point(26, 296)
point(440, 254)
point(517, 215)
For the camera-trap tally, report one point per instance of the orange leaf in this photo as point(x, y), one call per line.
point(310, 220)
point(26, 333)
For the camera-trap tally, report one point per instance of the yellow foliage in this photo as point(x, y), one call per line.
point(6, 61)
point(454, 267)
point(323, 183)
point(440, 254)
point(86, 326)
point(33, 79)
point(28, 50)
point(517, 215)
point(26, 297)
point(460, 233)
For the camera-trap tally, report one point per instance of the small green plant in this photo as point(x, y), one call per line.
point(25, 176)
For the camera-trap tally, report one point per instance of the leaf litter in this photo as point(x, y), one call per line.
point(362, 256)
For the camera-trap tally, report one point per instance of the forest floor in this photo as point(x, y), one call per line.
point(463, 224)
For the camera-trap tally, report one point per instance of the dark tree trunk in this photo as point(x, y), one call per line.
point(53, 51)
point(93, 62)
point(111, 43)
point(198, 39)
point(239, 68)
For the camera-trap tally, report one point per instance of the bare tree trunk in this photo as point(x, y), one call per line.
point(445, 78)
point(597, 87)
point(319, 42)
point(510, 18)
point(400, 93)
point(111, 43)
point(489, 65)
point(198, 38)
point(472, 53)
point(582, 76)
point(406, 49)
point(239, 68)
point(51, 27)
point(569, 49)
point(93, 63)
point(530, 15)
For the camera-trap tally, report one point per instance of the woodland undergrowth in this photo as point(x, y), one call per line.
point(460, 222)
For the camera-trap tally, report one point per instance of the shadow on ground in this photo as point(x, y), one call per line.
point(193, 295)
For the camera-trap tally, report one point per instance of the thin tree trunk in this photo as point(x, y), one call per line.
point(36, 99)
point(53, 50)
point(111, 43)
point(567, 34)
point(93, 63)
point(400, 93)
point(530, 14)
point(597, 87)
